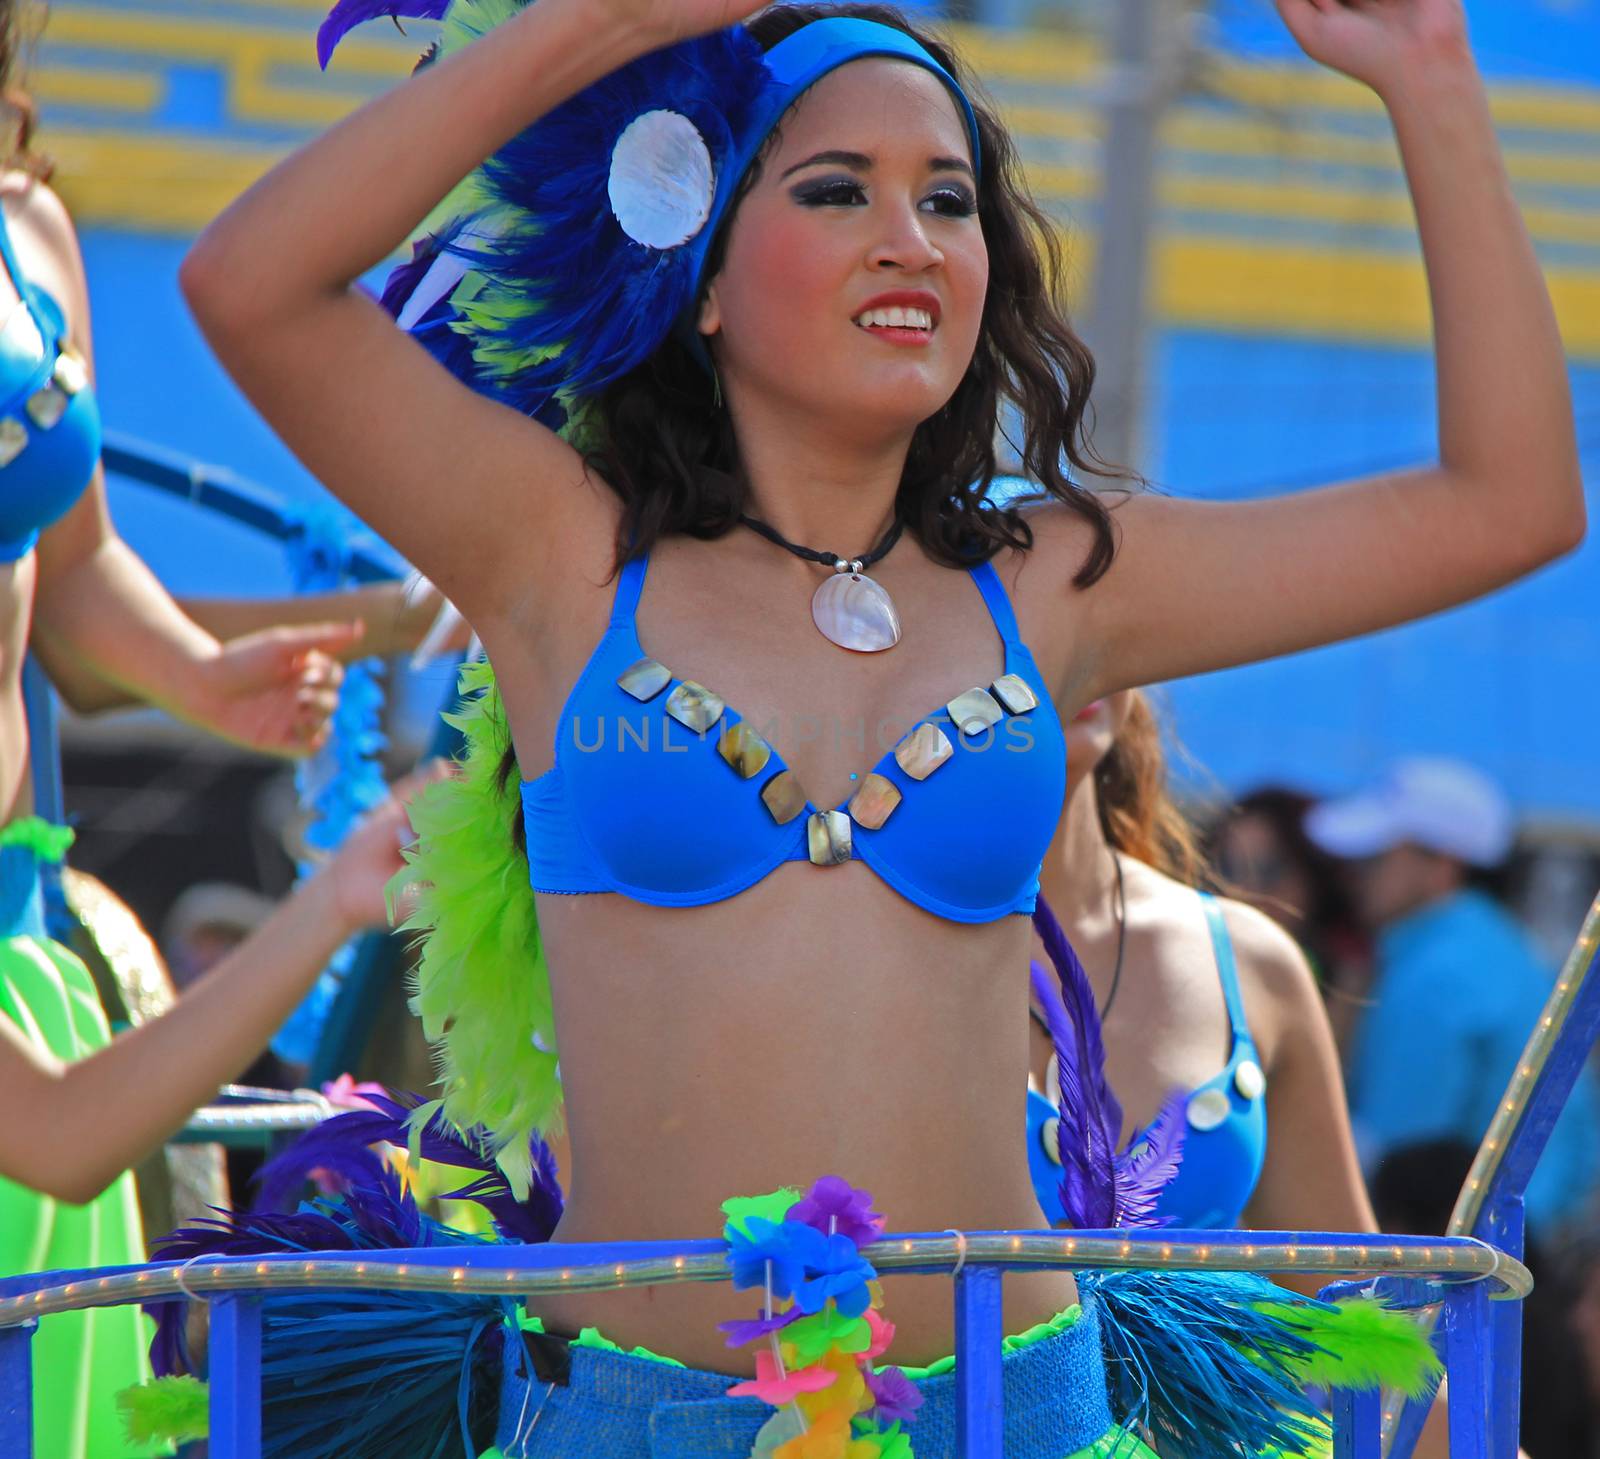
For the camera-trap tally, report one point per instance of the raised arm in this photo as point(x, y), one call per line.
point(482, 499)
point(89, 1121)
point(394, 619)
point(1199, 586)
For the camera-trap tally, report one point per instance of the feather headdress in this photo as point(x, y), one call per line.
point(582, 242)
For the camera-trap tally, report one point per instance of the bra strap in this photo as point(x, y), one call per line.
point(630, 583)
point(8, 254)
point(994, 595)
point(1227, 969)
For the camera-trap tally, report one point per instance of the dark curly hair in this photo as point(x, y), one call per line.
point(662, 441)
point(19, 114)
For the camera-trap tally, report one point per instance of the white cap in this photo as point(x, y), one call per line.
point(1443, 805)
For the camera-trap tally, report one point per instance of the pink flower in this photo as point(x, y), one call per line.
point(769, 1387)
point(882, 1334)
point(347, 1094)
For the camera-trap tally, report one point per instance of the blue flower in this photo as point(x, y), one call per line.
point(793, 1250)
point(839, 1271)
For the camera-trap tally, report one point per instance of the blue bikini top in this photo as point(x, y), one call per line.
point(49, 422)
point(1225, 1145)
point(664, 793)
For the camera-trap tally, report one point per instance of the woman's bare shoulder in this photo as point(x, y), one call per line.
point(32, 203)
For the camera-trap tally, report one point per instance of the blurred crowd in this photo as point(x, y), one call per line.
point(1402, 897)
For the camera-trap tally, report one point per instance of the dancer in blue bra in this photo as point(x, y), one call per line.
point(1119, 875)
point(1225, 1140)
point(697, 282)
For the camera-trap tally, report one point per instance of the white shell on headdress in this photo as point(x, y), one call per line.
point(661, 182)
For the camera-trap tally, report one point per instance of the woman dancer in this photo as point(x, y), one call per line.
point(1196, 994)
point(818, 343)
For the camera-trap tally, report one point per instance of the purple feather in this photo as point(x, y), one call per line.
point(1150, 1162)
point(1100, 1189)
point(348, 14)
point(1091, 1116)
point(341, 1145)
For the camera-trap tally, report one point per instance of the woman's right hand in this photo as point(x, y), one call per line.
point(362, 868)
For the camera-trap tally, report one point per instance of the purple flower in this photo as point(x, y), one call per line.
point(740, 1331)
point(839, 1271)
point(895, 1397)
point(834, 1206)
point(789, 1246)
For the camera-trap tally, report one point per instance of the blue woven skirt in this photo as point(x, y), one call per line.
point(569, 1401)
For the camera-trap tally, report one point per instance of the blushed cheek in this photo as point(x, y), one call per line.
point(775, 279)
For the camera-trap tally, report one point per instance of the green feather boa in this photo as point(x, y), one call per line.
point(481, 985)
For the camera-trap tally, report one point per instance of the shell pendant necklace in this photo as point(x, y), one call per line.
point(849, 608)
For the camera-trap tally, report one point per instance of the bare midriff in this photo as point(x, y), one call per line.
point(818, 1023)
point(16, 605)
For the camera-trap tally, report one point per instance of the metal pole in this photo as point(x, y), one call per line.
point(1148, 40)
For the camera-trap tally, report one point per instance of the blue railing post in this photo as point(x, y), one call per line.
point(1357, 1424)
point(235, 1376)
point(1502, 1226)
point(16, 1389)
point(1467, 1356)
point(980, 1405)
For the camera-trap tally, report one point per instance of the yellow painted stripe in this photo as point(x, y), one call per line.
point(1319, 293)
point(1318, 203)
point(130, 91)
point(150, 183)
point(997, 57)
point(1289, 141)
point(1296, 90)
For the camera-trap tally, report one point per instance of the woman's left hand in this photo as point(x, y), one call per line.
point(274, 690)
point(1381, 42)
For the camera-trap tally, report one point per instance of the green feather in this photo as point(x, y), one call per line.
point(165, 1410)
point(1360, 1344)
point(45, 839)
point(481, 985)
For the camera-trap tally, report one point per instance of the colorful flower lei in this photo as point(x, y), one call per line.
point(820, 1320)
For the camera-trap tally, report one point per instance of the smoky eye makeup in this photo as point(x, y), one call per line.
point(954, 199)
point(823, 192)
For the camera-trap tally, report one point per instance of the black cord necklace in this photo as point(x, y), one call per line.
point(849, 608)
point(1122, 938)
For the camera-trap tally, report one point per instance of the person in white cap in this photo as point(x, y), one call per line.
point(1458, 987)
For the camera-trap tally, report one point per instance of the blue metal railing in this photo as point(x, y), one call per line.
point(1461, 1274)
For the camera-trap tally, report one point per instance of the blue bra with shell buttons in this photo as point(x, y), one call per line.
point(664, 793)
point(49, 422)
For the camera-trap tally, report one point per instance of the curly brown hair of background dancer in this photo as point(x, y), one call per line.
point(1137, 812)
point(21, 114)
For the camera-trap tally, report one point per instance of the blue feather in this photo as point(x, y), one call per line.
point(325, 1355)
point(1189, 1359)
point(602, 300)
